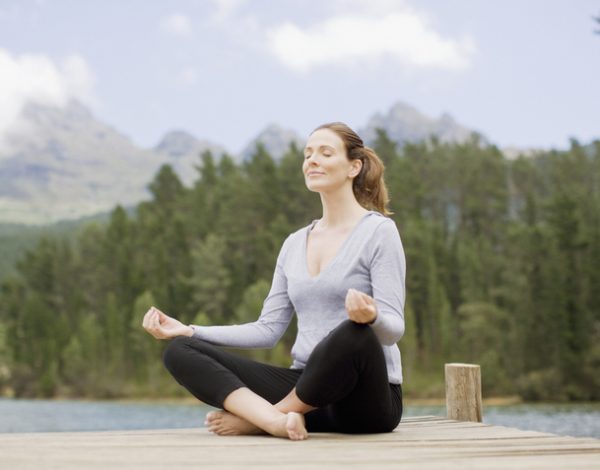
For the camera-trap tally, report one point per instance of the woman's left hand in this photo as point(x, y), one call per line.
point(361, 307)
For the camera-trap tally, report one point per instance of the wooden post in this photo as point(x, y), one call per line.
point(463, 392)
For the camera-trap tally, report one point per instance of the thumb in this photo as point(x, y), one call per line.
point(161, 315)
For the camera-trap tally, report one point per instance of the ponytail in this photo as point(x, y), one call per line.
point(369, 186)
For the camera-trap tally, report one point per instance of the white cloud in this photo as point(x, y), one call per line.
point(37, 78)
point(177, 24)
point(365, 33)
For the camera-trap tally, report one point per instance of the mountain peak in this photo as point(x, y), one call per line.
point(45, 114)
point(177, 143)
point(404, 123)
point(276, 140)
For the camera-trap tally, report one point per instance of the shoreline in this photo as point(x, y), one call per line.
point(491, 401)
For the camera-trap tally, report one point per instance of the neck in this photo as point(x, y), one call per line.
point(340, 209)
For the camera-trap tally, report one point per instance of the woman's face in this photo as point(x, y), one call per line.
point(326, 165)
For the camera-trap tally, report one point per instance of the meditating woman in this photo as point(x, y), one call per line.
point(344, 277)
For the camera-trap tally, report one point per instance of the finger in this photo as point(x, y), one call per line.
point(347, 300)
point(156, 328)
point(146, 319)
point(151, 312)
point(362, 302)
point(162, 316)
point(352, 300)
point(159, 328)
point(369, 308)
point(368, 299)
point(363, 294)
point(351, 308)
point(361, 307)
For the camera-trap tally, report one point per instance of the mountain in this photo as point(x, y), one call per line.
point(275, 139)
point(67, 164)
point(404, 123)
point(182, 150)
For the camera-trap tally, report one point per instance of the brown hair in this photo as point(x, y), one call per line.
point(368, 186)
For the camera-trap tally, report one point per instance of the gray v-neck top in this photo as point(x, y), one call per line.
point(371, 260)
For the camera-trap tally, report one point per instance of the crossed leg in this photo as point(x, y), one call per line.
point(345, 378)
point(230, 422)
point(255, 397)
point(249, 413)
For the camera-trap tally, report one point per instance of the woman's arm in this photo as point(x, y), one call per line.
point(274, 318)
point(388, 274)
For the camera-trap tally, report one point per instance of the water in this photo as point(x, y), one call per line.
point(580, 420)
point(72, 415)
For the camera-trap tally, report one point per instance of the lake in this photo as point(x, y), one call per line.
point(72, 415)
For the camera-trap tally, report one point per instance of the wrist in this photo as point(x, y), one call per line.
point(191, 330)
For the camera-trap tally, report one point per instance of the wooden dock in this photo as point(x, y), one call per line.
point(425, 442)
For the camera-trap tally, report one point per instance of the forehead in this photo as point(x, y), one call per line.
point(325, 137)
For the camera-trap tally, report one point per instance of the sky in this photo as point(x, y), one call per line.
point(524, 73)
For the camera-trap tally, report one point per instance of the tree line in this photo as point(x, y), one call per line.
point(503, 270)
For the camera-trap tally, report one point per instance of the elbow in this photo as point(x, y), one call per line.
point(271, 342)
point(390, 332)
point(271, 335)
point(391, 338)
point(399, 333)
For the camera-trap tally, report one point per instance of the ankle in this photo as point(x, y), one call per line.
point(276, 425)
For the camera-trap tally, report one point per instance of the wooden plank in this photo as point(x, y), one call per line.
point(422, 444)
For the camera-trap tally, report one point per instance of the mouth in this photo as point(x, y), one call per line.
point(315, 173)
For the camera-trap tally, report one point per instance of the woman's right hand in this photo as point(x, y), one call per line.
point(162, 326)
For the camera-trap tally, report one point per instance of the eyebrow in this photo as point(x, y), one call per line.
point(320, 146)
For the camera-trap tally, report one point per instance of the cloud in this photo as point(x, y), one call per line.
point(38, 79)
point(366, 34)
point(176, 24)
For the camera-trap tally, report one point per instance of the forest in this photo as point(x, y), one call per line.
point(503, 270)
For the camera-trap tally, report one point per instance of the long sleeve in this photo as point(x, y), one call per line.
point(274, 318)
point(388, 273)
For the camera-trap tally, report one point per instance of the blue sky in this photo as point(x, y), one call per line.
point(523, 73)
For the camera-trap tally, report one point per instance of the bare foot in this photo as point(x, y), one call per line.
point(224, 423)
point(295, 426)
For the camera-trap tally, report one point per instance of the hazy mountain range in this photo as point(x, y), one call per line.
point(66, 164)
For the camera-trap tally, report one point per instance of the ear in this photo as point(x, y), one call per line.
point(356, 167)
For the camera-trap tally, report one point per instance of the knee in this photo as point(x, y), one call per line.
point(173, 353)
point(355, 335)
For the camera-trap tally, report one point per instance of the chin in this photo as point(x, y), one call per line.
point(314, 186)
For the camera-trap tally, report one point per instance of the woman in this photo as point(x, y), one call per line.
point(343, 275)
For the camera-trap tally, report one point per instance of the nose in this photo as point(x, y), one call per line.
point(313, 158)
point(311, 163)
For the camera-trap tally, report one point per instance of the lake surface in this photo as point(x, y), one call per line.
point(57, 415)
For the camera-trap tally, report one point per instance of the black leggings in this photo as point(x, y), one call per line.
point(345, 378)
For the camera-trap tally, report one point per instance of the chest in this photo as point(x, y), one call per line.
point(322, 248)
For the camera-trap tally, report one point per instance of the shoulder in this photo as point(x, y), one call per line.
point(296, 236)
point(381, 226)
point(384, 237)
point(294, 239)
